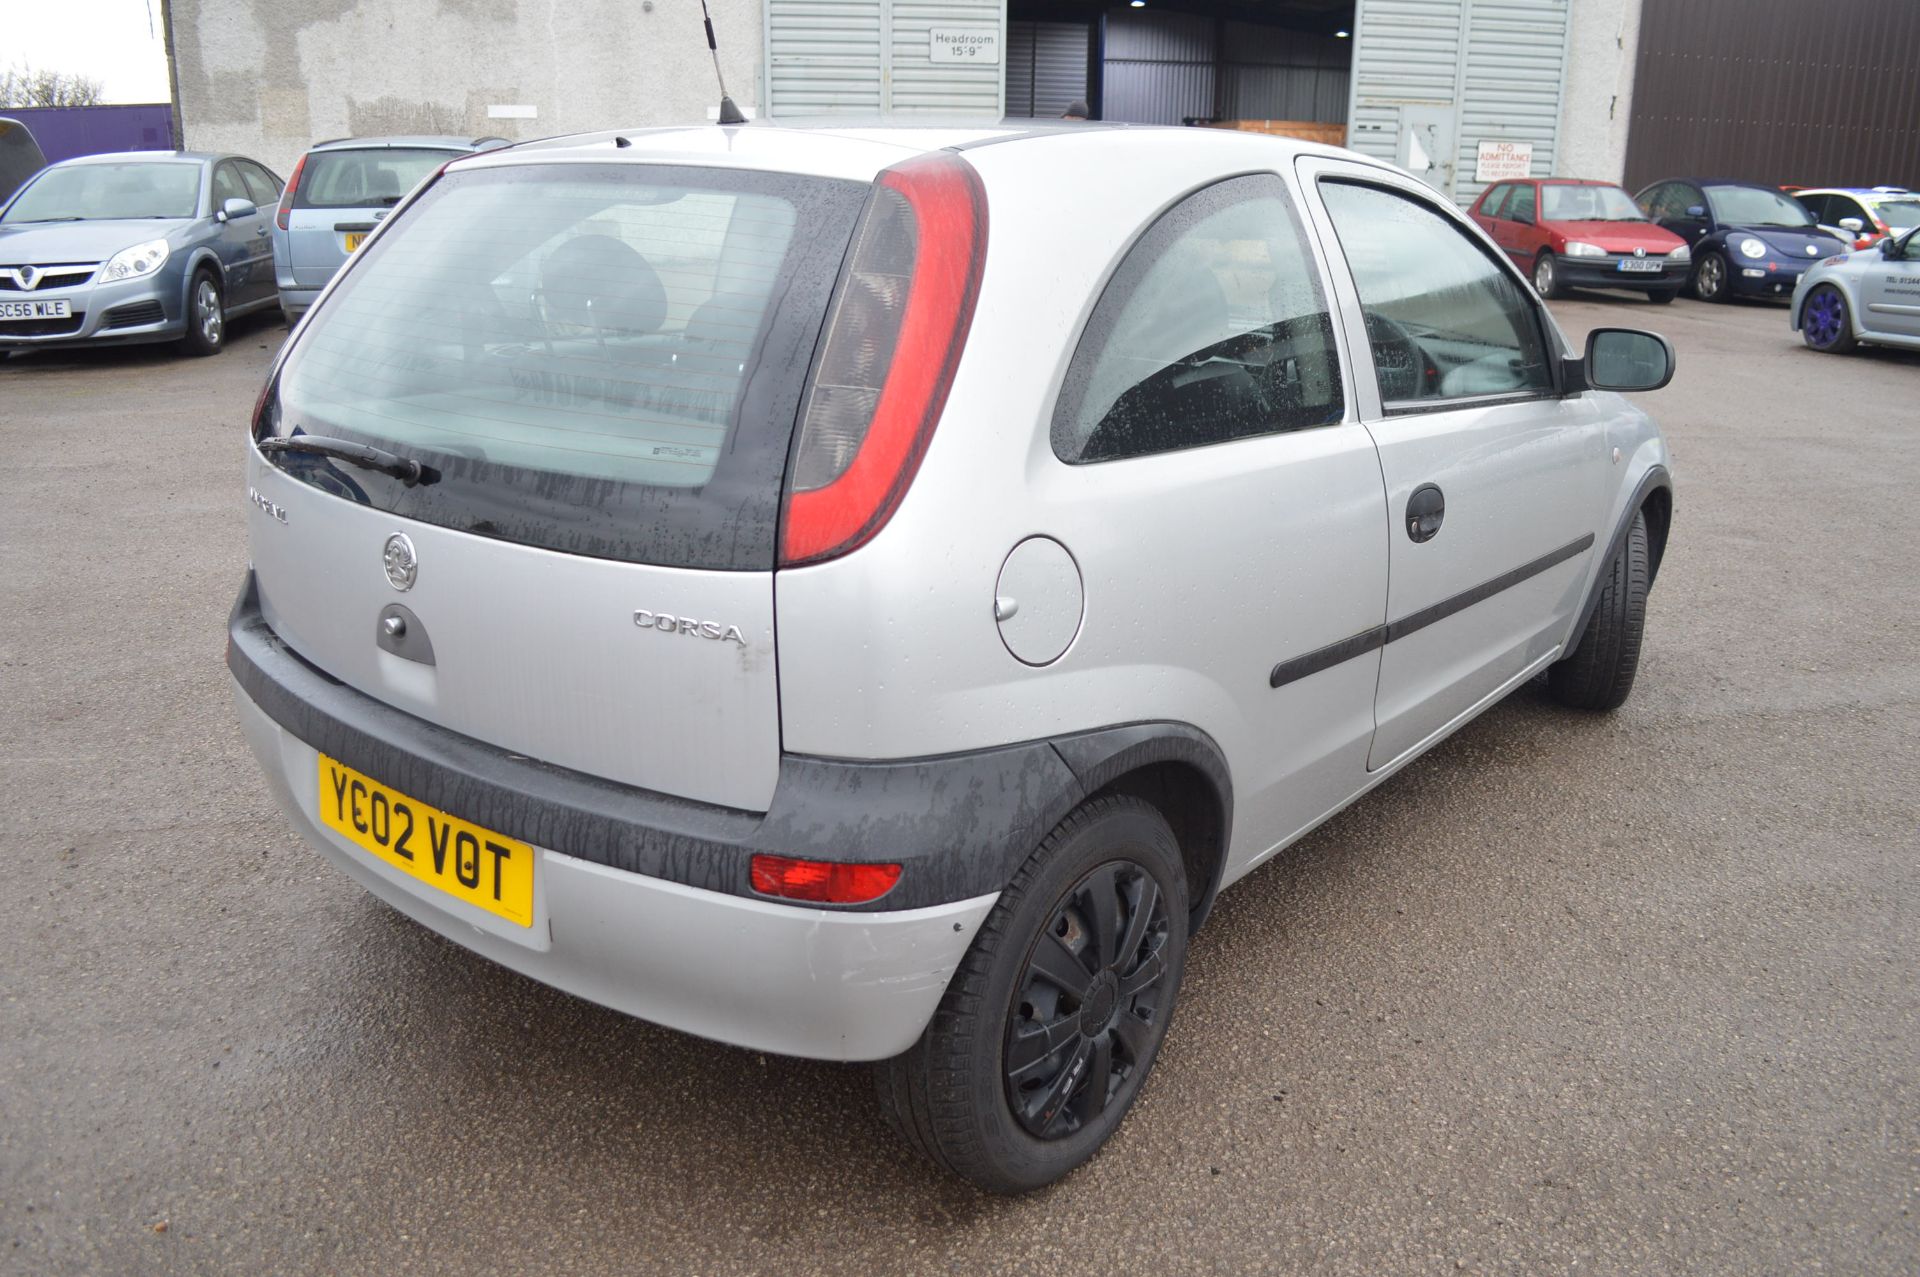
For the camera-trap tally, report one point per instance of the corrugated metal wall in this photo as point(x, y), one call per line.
point(1162, 68)
point(1271, 73)
point(870, 58)
point(1046, 67)
point(1492, 68)
point(1777, 91)
point(1158, 68)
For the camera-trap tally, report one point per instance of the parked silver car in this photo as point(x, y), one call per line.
point(860, 594)
point(1869, 295)
point(338, 193)
point(136, 247)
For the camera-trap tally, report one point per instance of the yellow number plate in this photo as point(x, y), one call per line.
point(467, 862)
point(354, 238)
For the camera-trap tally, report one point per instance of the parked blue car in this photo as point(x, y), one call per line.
point(1747, 240)
point(338, 193)
point(133, 247)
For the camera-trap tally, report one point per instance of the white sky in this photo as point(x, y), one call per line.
point(117, 42)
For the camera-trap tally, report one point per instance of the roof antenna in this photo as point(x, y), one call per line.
point(729, 113)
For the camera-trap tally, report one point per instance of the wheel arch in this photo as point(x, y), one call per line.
point(1653, 496)
point(1183, 774)
point(200, 258)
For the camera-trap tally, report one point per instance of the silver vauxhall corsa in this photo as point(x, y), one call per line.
point(861, 594)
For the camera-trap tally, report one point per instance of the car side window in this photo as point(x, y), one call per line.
point(1495, 197)
point(1522, 205)
point(227, 185)
point(262, 188)
point(1653, 201)
point(1816, 206)
point(1444, 319)
point(1690, 197)
point(1843, 206)
point(1213, 328)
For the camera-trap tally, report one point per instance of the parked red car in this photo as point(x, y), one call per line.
point(1576, 234)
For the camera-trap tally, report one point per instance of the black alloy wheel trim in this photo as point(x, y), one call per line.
point(1086, 1002)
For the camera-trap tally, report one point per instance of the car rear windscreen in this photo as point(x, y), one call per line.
point(377, 177)
point(599, 358)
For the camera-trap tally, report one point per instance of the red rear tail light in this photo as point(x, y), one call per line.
point(894, 336)
point(824, 881)
point(286, 194)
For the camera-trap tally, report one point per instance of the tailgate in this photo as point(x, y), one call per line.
point(532, 650)
point(599, 367)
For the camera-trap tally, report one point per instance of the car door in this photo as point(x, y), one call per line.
point(1674, 208)
point(1487, 212)
point(245, 247)
point(1816, 206)
point(1219, 485)
point(1890, 291)
point(1521, 223)
point(1496, 483)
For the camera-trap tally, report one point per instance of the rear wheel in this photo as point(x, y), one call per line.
point(1599, 674)
point(1710, 278)
point(1546, 275)
point(1049, 1027)
point(1826, 323)
point(206, 316)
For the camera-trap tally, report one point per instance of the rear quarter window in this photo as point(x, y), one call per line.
point(604, 359)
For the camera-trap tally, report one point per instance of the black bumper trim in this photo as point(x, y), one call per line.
point(961, 824)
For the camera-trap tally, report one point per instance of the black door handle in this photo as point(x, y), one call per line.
point(1425, 510)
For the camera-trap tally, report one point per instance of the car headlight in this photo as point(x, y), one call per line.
point(1681, 254)
point(1576, 249)
point(1751, 247)
point(132, 263)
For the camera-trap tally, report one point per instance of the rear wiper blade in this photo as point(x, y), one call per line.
point(405, 469)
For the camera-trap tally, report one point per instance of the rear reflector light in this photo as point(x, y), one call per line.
point(824, 881)
point(894, 334)
point(286, 194)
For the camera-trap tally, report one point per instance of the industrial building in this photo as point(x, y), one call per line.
point(1459, 90)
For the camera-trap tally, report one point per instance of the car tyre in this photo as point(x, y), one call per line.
point(1102, 904)
point(1663, 296)
point(1710, 278)
point(206, 315)
point(1826, 321)
point(1546, 276)
point(1599, 674)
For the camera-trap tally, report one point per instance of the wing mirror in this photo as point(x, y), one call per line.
point(1696, 211)
point(235, 208)
point(1853, 224)
point(1895, 249)
point(1627, 359)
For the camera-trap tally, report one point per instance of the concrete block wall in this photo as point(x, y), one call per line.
point(1596, 103)
point(267, 78)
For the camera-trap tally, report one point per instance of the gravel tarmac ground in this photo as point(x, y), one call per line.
point(1623, 994)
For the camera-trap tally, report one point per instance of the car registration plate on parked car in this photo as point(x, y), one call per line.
point(354, 238)
point(36, 310)
point(486, 870)
point(1647, 265)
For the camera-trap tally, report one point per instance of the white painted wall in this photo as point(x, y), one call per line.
point(267, 78)
point(1597, 98)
